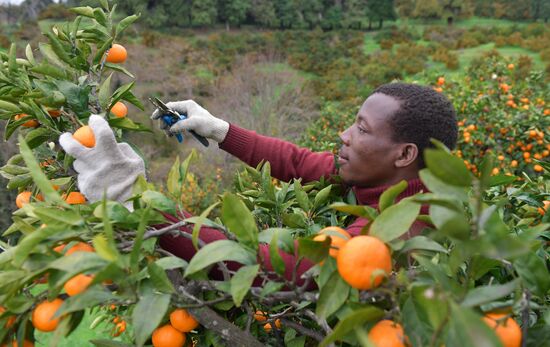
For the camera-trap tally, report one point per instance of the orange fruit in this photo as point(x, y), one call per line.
point(538, 168)
point(120, 327)
point(54, 113)
point(26, 343)
point(260, 316)
point(42, 315)
point(542, 210)
point(116, 54)
point(182, 320)
point(168, 336)
point(388, 334)
point(85, 136)
point(510, 66)
point(28, 124)
point(526, 155)
point(80, 247)
point(11, 319)
point(359, 258)
point(77, 284)
point(441, 81)
point(268, 327)
point(59, 248)
point(74, 198)
point(514, 163)
point(507, 330)
point(23, 198)
point(119, 110)
point(495, 171)
point(338, 238)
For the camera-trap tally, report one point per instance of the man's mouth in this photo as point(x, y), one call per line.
point(342, 159)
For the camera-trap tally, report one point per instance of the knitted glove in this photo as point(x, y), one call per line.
point(109, 167)
point(198, 119)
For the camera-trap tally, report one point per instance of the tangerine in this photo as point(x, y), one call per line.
point(387, 333)
point(507, 330)
point(183, 321)
point(54, 113)
point(119, 110)
point(85, 136)
point(359, 258)
point(80, 247)
point(11, 319)
point(268, 327)
point(42, 315)
point(168, 336)
point(338, 238)
point(77, 284)
point(120, 327)
point(116, 54)
point(74, 198)
point(28, 124)
point(260, 316)
point(23, 198)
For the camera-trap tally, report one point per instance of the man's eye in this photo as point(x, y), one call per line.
point(361, 130)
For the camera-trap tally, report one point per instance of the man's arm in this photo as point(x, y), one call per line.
point(286, 159)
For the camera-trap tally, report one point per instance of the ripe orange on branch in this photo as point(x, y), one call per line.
point(77, 284)
point(80, 247)
point(85, 136)
point(28, 124)
point(42, 315)
point(168, 336)
point(183, 321)
point(507, 330)
point(338, 238)
point(11, 319)
point(119, 110)
point(360, 258)
point(116, 54)
point(74, 198)
point(388, 334)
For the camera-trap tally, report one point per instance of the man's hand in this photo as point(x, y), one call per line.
point(109, 167)
point(198, 119)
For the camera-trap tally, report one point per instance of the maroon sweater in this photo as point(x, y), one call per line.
point(287, 161)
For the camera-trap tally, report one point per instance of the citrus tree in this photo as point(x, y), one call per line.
point(476, 276)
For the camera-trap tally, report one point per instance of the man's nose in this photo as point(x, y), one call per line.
point(345, 136)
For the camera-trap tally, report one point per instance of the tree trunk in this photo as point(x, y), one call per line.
point(227, 25)
point(450, 20)
point(380, 23)
point(370, 24)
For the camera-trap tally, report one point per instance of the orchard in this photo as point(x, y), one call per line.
point(477, 275)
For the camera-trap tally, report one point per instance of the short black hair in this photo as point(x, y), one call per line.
point(424, 114)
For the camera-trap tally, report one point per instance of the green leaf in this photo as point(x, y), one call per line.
point(389, 195)
point(285, 240)
point(422, 243)
point(126, 22)
point(38, 176)
point(148, 314)
point(395, 221)
point(38, 136)
point(29, 54)
point(333, 295)
point(534, 273)
point(242, 281)
point(430, 304)
point(221, 250)
point(301, 196)
point(136, 249)
point(78, 262)
point(91, 297)
point(12, 58)
point(199, 223)
point(322, 197)
point(127, 123)
point(448, 168)
point(104, 248)
point(348, 323)
point(467, 329)
point(77, 97)
point(450, 222)
point(117, 67)
point(174, 181)
point(315, 251)
point(486, 294)
point(49, 70)
point(109, 343)
point(85, 11)
point(100, 54)
point(58, 48)
point(160, 279)
point(48, 53)
point(104, 93)
point(168, 263)
point(29, 242)
point(276, 259)
point(356, 210)
point(158, 201)
point(8, 106)
point(240, 221)
point(100, 16)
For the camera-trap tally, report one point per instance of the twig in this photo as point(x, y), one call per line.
point(303, 330)
point(158, 232)
point(525, 317)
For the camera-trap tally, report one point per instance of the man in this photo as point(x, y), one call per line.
point(384, 146)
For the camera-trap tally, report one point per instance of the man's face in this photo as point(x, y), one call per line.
point(367, 156)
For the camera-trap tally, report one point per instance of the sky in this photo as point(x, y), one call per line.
point(14, 2)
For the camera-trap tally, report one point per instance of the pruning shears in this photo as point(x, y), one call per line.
point(171, 117)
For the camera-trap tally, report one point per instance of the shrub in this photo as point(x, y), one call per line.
point(56, 11)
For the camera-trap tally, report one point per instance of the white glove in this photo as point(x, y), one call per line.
point(109, 167)
point(198, 119)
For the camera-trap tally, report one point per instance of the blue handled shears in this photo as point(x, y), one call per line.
point(171, 117)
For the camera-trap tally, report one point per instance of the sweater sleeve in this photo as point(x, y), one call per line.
point(287, 160)
point(182, 247)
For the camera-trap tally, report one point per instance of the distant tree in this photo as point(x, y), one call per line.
point(453, 9)
point(263, 13)
point(286, 13)
point(203, 12)
point(545, 10)
point(380, 10)
point(232, 12)
point(310, 12)
point(353, 13)
point(427, 9)
point(334, 16)
point(404, 8)
point(32, 8)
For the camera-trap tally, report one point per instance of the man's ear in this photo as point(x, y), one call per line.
point(408, 153)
